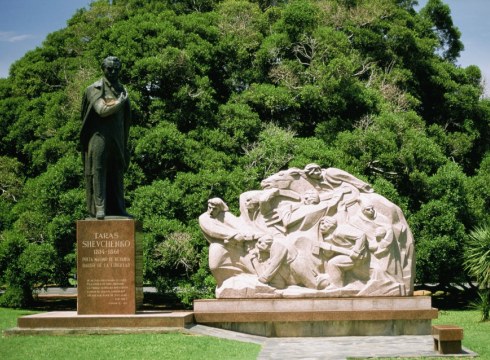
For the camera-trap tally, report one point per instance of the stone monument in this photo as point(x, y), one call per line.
point(109, 250)
point(106, 117)
point(314, 252)
point(309, 232)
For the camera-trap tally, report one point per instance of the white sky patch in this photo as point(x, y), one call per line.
point(13, 37)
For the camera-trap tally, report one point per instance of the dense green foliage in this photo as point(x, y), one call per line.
point(227, 92)
point(477, 263)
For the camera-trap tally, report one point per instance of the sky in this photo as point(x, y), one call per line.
point(471, 17)
point(24, 24)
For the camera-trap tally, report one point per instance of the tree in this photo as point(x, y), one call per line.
point(226, 92)
point(447, 34)
point(477, 263)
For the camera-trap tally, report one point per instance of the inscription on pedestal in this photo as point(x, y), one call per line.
point(109, 259)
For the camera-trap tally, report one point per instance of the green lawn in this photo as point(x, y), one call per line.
point(476, 333)
point(179, 346)
point(141, 346)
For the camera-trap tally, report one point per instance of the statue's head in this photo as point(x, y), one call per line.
point(264, 243)
point(313, 171)
point(251, 202)
point(216, 206)
point(111, 67)
point(328, 224)
point(367, 208)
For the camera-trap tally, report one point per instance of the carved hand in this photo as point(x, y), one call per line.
point(354, 255)
point(326, 246)
point(262, 280)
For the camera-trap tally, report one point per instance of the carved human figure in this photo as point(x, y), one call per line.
point(386, 252)
point(279, 264)
point(332, 178)
point(385, 262)
point(226, 235)
point(367, 219)
point(106, 118)
point(315, 229)
point(303, 216)
point(256, 211)
point(349, 248)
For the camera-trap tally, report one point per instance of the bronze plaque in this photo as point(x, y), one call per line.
point(110, 271)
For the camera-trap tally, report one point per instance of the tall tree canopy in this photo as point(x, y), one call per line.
point(226, 92)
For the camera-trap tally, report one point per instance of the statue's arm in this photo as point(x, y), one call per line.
point(106, 108)
point(218, 231)
point(385, 244)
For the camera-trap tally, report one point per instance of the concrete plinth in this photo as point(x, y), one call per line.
point(109, 267)
point(69, 322)
point(320, 316)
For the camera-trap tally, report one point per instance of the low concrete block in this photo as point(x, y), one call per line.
point(447, 339)
point(70, 319)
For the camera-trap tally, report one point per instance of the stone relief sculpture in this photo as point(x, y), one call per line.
point(309, 232)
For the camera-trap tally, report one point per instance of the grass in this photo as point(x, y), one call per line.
point(476, 334)
point(139, 346)
point(179, 346)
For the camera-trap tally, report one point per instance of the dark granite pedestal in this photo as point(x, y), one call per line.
point(110, 266)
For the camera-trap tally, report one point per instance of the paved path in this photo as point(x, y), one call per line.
point(333, 348)
point(316, 348)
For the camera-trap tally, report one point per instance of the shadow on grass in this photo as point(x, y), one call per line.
point(450, 298)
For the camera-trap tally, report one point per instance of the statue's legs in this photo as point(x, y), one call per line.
point(336, 268)
point(303, 272)
point(221, 263)
point(98, 156)
point(278, 257)
point(115, 204)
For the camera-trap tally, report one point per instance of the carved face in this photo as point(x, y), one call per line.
point(327, 225)
point(264, 243)
point(368, 211)
point(251, 203)
point(213, 209)
point(314, 172)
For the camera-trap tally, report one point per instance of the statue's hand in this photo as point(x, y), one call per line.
point(354, 255)
point(263, 280)
point(326, 246)
point(123, 97)
point(239, 237)
point(111, 102)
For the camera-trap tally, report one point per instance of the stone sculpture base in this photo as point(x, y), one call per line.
point(69, 322)
point(373, 316)
point(110, 267)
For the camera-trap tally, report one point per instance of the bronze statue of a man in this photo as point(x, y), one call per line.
point(106, 117)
